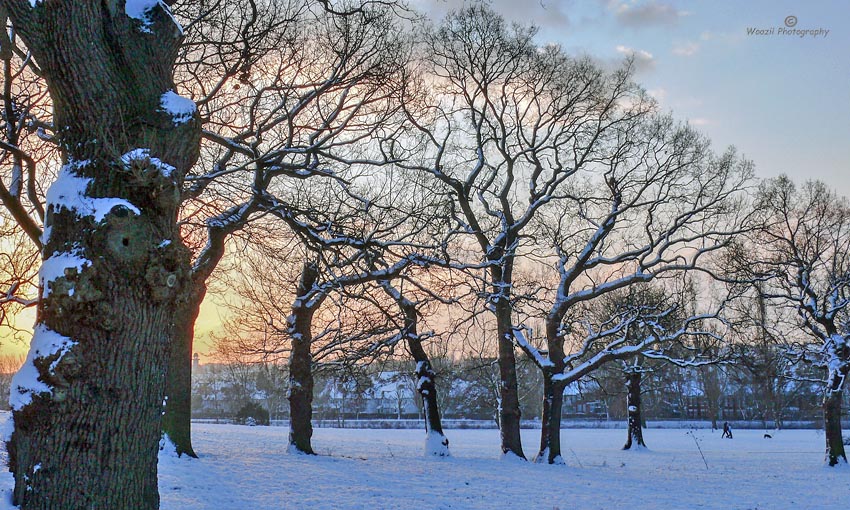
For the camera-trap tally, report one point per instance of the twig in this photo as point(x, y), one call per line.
point(691, 432)
point(577, 459)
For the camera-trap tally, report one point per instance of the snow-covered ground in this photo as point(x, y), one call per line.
point(246, 468)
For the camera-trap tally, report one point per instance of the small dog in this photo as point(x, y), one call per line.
point(768, 436)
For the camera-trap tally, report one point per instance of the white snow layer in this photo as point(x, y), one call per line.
point(54, 267)
point(243, 468)
point(68, 191)
point(180, 108)
point(26, 382)
point(436, 444)
point(167, 448)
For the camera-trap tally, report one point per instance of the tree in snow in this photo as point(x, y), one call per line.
point(658, 309)
point(280, 86)
point(660, 203)
point(436, 442)
point(345, 246)
point(289, 91)
point(803, 252)
point(115, 272)
point(498, 125)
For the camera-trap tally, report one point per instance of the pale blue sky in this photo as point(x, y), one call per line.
point(783, 101)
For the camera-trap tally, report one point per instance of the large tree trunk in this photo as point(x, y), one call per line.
point(635, 430)
point(177, 420)
point(509, 411)
point(301, 364)
point(550, 432)
point(832, 420)
point(87, 405)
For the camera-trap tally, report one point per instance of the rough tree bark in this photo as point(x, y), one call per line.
point(301, 363)
point(177, 420)
point(635, 430)
point(87, 404)
point(509, 411)
point(832, 418)
point(553, 398)
point(436, 442)
point(550, 433)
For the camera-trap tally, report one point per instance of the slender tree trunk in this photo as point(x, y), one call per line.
point(635, 431)
point(509, 411)
point(177, 420)
point(87, 405)
point(550, 432)
point(436, 443)
point(301, 364)
point(832, 420)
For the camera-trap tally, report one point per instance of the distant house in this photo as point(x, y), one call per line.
point(580, 401)
point(388, 394)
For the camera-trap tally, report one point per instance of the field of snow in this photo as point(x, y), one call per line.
point(247, 468)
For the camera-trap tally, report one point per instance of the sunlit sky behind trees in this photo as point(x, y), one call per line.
point(782, 100)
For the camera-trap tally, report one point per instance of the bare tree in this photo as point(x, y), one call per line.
point(289, 91)
point(660, 205)
point(804, 250)
point(26, 148)
point(500, 125)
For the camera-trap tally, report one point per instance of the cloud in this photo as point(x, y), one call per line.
point(637, 15)
point(659, 94)
point(543, 13)
point(686, 49)
point(643, 60)
point(699, 121)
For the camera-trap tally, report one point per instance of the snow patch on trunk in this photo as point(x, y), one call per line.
point(181, 109)
point(436, 444)
point(141, 10)
point(167, 448)
point(142, 154)
point(512, 457)
point(55, 266)
point(68, 192)
point(294, 450)
point(26, 382)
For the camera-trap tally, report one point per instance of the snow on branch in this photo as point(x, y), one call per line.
point(639, 330)
point(534, 353)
